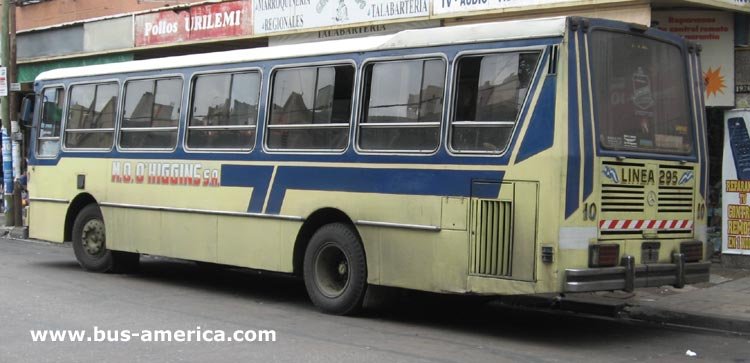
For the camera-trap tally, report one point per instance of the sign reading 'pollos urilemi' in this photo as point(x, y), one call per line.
point(275, 16)
point(208, 21)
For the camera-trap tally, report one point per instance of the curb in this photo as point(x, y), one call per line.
point(14, 232)
point(684, 318)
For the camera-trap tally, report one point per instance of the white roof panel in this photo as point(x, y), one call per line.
point(473, 33)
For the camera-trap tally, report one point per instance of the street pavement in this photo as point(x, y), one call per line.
point(723, 303)
point(42, 287)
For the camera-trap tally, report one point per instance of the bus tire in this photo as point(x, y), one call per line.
point(89, 244)
point(335, 270)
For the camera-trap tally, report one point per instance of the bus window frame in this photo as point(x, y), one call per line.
point(269, 99)
point(125, 81)
point(540, 71)
point(695, 123)
point(360, 103)
point(230, 71)
point(38, 121)
point(67, 109)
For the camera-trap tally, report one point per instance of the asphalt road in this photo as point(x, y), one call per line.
point(42, 287)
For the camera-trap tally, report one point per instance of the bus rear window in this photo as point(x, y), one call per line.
point(641, 94)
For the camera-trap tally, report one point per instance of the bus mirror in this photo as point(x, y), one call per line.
point(27, 111)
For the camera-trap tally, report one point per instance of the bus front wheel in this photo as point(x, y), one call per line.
point(335, 270)
point(90, 248)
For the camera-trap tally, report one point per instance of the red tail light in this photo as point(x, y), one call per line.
point(604, 255)
point(693, 250)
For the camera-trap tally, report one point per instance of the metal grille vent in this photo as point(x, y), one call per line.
point(492, 238)
point(675, 199)
point(622, 198)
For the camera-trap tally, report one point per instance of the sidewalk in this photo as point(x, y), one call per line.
point(12, 232)
point(723, 303)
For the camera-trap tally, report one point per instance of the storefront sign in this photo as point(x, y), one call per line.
point(460, 6)
point(736, 183)
point(714, 30)
point(272, 16)
point(346, 33)
point(3, 81)
point(209, 21)
point(736, 2)
point(742, 78)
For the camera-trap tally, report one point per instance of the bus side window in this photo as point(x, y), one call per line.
point(224, 111)
point(311, 108)
point(402, 105)
point(151, 114)
point(91, 116)
point(490, 91)
point(48, 142)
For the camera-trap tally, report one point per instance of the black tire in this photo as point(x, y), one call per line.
point(335, 270)
point(90, 248)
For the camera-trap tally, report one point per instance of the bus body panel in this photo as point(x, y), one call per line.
point(513, 223)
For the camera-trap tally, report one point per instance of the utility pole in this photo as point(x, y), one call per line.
point(5, 114)
point(15, 128)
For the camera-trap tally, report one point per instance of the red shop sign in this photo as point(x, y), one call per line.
point(209, 21)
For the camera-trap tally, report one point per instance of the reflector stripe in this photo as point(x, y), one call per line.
point(641, 224)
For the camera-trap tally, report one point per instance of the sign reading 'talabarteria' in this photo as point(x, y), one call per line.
point(226, 19)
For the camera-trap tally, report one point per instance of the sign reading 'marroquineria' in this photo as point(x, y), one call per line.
point(272, 16)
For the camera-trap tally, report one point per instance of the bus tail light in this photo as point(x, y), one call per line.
point(693, 250)
point(604, 255)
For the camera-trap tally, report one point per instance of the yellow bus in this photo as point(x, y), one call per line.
point(533, 156)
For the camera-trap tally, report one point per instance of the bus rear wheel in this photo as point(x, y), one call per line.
point(90, 247)
point(335, 270)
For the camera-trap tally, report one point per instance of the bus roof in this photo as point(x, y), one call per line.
point(472, 33)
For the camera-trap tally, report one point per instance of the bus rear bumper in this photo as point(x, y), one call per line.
point(630, 276)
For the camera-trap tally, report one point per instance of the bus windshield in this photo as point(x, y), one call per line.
point(641, 94)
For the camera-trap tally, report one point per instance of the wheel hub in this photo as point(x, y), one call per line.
point(342, 268)
point(331, 270)
point(93, 237)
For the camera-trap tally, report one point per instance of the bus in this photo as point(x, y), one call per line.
point(519, 157)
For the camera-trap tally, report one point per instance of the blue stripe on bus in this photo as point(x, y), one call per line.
point(701, 117)
point(588, 149)
point(384, 181)
point(541, 132)
point(505, 159)
point(572, 182)
point(257, 177)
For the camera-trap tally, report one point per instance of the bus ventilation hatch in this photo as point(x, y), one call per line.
point(491, 238)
